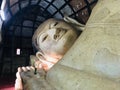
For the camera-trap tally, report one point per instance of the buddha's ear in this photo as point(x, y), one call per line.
point(40, 55)
point(74, 23)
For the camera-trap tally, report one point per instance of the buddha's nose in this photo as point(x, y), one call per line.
point(57, 33)
point(52, 33)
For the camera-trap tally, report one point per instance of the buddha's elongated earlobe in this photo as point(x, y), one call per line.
point(75, 23)
point(40, 55)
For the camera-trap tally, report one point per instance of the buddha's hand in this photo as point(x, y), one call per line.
point(31, 78)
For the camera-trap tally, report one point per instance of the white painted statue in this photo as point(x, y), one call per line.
point(92, 63)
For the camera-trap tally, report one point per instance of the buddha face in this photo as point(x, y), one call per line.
point(55, 38)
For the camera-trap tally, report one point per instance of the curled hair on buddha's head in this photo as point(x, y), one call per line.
point(35, 44)
point(36, 35)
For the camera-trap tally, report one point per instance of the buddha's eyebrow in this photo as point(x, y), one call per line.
point(64, 29)
point(54, 24)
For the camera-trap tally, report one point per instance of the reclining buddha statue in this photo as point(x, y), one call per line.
point(93, 61)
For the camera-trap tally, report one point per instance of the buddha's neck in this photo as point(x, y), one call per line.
point(48, 62)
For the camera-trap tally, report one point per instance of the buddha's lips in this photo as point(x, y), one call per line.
point(61, 34)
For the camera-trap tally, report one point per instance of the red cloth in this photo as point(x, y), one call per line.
point(7, 87)
point(7, 83)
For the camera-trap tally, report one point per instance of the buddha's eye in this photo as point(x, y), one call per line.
point(53, 25)
point(56, 36)
point(44, 38)
point(58, 30)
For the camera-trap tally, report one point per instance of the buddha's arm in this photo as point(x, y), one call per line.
point(66, 78)
point(78, 26)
